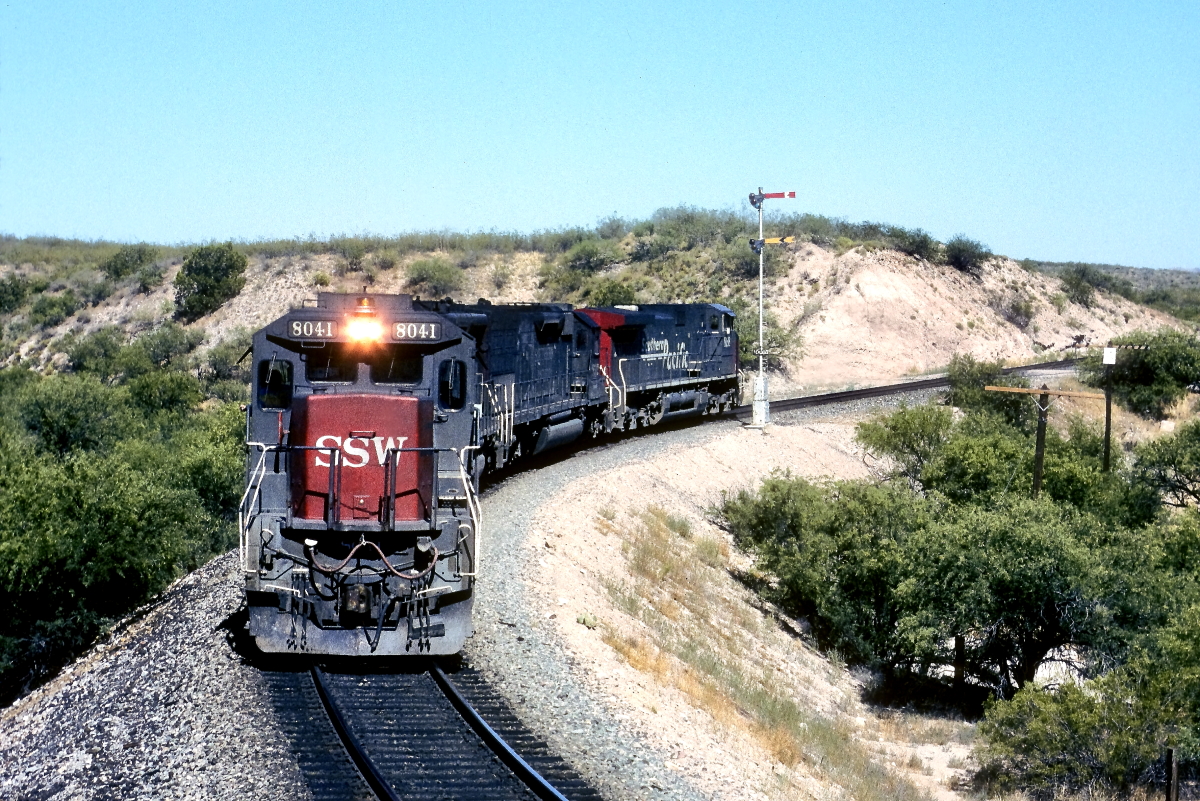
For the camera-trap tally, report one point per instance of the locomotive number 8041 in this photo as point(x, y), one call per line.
point(374, 416)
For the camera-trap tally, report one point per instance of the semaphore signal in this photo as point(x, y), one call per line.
point(762, 407)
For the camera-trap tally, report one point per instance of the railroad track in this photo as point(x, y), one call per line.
point(791, 404)
point(417, 734)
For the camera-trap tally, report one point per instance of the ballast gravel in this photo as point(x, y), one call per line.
point(166, 708)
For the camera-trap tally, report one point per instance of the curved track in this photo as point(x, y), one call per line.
point(406, 733)
point(827, 398)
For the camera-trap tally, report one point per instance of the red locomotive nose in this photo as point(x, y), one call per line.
point(345, 448)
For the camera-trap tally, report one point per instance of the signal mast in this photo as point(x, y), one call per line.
point(762, 403)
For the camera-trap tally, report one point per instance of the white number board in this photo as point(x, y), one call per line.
point(313, 329)
point(417, 331)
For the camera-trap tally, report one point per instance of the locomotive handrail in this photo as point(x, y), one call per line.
point(473, 507)
point(255, 484)
point(332, 510)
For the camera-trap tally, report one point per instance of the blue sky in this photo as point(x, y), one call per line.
point(1062, 131)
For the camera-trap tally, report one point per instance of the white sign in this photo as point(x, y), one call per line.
point(1110, 356)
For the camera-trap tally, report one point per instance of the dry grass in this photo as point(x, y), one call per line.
point(699, 637)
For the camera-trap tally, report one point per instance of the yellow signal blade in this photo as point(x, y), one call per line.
point(779, 240)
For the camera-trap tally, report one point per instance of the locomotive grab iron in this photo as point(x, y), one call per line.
point(373, 417)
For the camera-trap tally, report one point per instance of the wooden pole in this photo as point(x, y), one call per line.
point(1039, 451)
point(1172, 776)
point(1107, 415)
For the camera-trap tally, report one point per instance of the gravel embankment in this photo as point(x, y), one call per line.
point(165, 709)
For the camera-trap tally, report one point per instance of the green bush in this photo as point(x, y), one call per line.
point(909, 438)
point(169, 391)
point(1151, 380)
point(916, 243)
point(129, 260)
point(436, 276)
point(211, 275)
point(96, 353)
point(50, 310)
point(591, 255)
point(966, 255)
point(609, 292)
point(13, 291)
point(150, 278)
point(73, 412)
point(968, 377)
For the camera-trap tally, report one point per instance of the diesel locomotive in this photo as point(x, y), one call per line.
point(373, 417)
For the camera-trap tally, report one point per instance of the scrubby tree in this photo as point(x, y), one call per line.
point(129, 260)
point(210, 275)
point(1152, 378)
point(435, 276)
point(966, 255)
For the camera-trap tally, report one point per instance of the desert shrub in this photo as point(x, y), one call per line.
point(1077, 289)
point(609, 292)
point(386, 259)
point(1016, 307)
point(13, 291)
point(353, 250)
point(1151, 380)
point(227, 360)
point(91, 291)
point(559, 283)
point(650, 248)
point(320, 279)
point(171, 391)
point(129, 260)
point(968, 377)
point(150, 278)
point(73, 412)
point(591, 255)
point(1171, 465)
point(916, 243)
point(909, 438)
point(836, 551)
point(966, 255)
point(436, 276)
point(211, 275)
point(103, 504)
point(500, 276)
point(1108, 734)
point(50, 310)
point(96, 353)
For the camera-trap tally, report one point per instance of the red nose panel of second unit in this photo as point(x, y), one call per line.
point(354, 437)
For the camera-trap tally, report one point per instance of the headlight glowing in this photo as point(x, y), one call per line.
point(364, 330)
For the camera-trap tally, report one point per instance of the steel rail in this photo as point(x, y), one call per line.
point(370, 772)
point(523, 770)
point(824, 399)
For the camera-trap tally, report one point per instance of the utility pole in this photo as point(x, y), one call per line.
point(1043, 404)
point(762, 403)
point(1039, 448)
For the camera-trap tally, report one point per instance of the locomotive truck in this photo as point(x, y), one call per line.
point(373, 417)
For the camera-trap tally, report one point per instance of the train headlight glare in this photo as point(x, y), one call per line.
point(364, 330)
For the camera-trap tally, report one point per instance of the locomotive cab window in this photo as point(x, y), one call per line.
point(714, 321)
point(452, 385)
point(581, 340)
point(397, 364)
point(336, 362)
point(274, 384)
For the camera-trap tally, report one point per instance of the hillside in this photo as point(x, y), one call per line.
point(840, 314)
